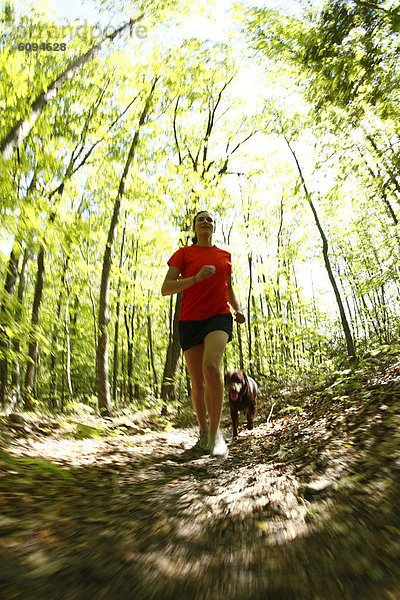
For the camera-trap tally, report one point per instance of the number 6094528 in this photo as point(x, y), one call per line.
point(44, 46)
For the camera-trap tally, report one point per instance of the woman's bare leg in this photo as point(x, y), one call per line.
point(194, 362)
point(214, 347)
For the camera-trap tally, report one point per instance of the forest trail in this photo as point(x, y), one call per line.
point(304, 508)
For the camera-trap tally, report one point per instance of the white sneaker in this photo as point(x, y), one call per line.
point(217, 445)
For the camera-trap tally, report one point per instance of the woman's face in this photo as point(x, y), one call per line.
point(204, 222)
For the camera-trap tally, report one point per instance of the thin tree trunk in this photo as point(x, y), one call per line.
point(102, 378)
point(129, 360)
point(9, 288)
point(151, 355)
point(123, 392)
point(344, 293)
point(240, 345)
point(62, 383)
point(67, 338)
point(168, 386)
point(16, 376)
point(138, 388)
point(279, 336)
point(54, 342)
point(249, 314)
point(268, 336)
point(346, 329)
point(116, 326)
point(94, 312)
point(33, 345)
point(116, 352)
point(257, 339)
point(263, 344)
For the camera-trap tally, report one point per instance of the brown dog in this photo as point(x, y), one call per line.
point(242, 393)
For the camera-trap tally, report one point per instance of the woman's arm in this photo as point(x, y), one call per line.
point(173, 285)
point(233, 301)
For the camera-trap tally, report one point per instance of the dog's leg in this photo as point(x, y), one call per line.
point(250, 417)
point(235, 421)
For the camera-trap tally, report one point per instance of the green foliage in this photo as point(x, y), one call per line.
point(42, 465)
point(329, 82)
point(87, 431)
point(347, 53)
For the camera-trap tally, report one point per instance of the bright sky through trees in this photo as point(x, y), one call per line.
point(200, 26)
point(216, 25)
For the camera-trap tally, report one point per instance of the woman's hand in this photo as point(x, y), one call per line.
point(205, 272)
point(239, 317)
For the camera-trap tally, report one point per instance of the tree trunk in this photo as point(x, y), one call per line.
point(94, 312)
point(250, 258)
point(116, 352)
point(346, 329)
point(33, 345)
point(67, 339)
point(168, 386)
point(9, 288)
point(62, 383)
point(16, 376)
point(240, 345)
point(102, 378)
point(116, 326)
point(257, 338)
point(129, 323)
point(151, 356)
point(54, 342)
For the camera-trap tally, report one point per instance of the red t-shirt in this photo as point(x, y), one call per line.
point(208, 297)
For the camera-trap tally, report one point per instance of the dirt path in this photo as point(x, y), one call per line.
point(306, 508)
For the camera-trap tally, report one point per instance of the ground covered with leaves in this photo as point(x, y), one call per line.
point(305, 507)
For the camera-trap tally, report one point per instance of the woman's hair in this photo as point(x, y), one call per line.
point(194, 238)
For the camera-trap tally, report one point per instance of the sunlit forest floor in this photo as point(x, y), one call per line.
point(306, 507)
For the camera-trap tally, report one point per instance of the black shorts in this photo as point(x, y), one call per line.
point(192, 333)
